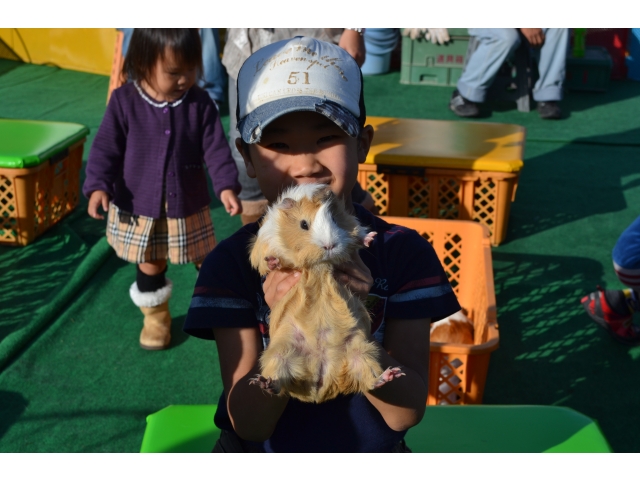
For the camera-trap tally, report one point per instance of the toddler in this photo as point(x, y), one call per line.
point(146, 169)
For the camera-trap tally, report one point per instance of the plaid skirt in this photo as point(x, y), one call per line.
point(140, 239)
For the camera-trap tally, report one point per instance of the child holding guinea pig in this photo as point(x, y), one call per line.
point(146, 169)
point(301, 118)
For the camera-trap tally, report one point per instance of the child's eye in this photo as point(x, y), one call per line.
point(278, 146)
point(327, 139)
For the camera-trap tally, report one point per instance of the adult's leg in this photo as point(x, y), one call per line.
point(253, 202)
point(126, 38)
point(214, 76)
point(626, 257)
point(551, 65)
point(495, 46)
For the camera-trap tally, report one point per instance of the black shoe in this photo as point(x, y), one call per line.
point(549, 110)
point(463, 107)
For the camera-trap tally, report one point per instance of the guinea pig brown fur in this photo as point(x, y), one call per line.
point(319, 332)
point(456, 328)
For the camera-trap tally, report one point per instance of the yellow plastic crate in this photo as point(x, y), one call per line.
point(445, 169)
point(39, 176)
point(457, 372)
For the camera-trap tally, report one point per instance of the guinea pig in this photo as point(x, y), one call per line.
point(319, 332)
point(456, 328)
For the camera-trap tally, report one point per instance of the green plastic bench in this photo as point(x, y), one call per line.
point(444, 429)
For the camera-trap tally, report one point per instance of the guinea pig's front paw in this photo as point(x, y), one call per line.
point(272, 262)
point(389, 374)
point(267, 384)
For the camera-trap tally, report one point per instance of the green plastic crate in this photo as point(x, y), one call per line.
point(590, 73)
point(427, 63)
point(40, 166)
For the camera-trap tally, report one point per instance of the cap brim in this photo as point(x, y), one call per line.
point(251, 126)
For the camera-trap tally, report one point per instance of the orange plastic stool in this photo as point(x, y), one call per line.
point(457, 372)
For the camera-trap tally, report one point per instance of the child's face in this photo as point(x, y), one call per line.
point(171, 78)
point(306, 147)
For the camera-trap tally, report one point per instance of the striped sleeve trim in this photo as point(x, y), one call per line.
point(421, 293)
point(217, 302)
point(424, 282)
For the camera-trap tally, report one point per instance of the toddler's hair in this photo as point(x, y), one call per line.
point(147, 45)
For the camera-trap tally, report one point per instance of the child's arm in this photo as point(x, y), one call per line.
point(406, 345)
point(254, 413)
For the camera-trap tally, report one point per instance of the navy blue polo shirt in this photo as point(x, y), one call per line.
point(409, 283)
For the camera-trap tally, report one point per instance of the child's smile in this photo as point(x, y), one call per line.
point(305, 147)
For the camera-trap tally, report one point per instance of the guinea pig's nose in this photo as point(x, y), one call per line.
point(328, 248)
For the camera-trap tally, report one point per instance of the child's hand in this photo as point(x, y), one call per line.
point(277, 284)
point(535, 36)
point(99, 197)
point(231, 202)
point(356, 276)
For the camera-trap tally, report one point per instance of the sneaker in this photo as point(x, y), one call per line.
point(463, 107)
point(618, 324)
point(549, 110)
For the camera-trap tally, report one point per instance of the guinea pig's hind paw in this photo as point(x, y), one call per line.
point(369, 238)
point(266, 384)
point(389, 374)
point(272, 262)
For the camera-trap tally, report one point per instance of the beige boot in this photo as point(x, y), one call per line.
point(156, 332)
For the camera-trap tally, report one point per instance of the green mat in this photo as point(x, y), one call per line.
point(78, 382)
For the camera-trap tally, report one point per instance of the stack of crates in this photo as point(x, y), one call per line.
point(39, 176)
point(457, 372)
point(427, 63)
point(445, 169)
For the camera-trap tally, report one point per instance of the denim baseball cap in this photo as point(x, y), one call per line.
point(300, 74)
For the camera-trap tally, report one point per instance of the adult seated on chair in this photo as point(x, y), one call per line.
point(495, 46)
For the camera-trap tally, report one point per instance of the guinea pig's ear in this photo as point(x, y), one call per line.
point(287, 203)
point(323, 195)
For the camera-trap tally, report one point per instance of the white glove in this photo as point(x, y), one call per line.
point(414, 33)
point(437, 35)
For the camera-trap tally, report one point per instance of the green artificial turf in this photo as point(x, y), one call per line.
point(73, 379)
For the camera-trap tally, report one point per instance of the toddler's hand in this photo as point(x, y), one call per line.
point(277, 284)
point(98, 198)
point(231, 202)
point(356, 276)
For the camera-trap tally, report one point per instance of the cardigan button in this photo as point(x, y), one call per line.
point(171, 174)
point(165, 110)
point(167, 132)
